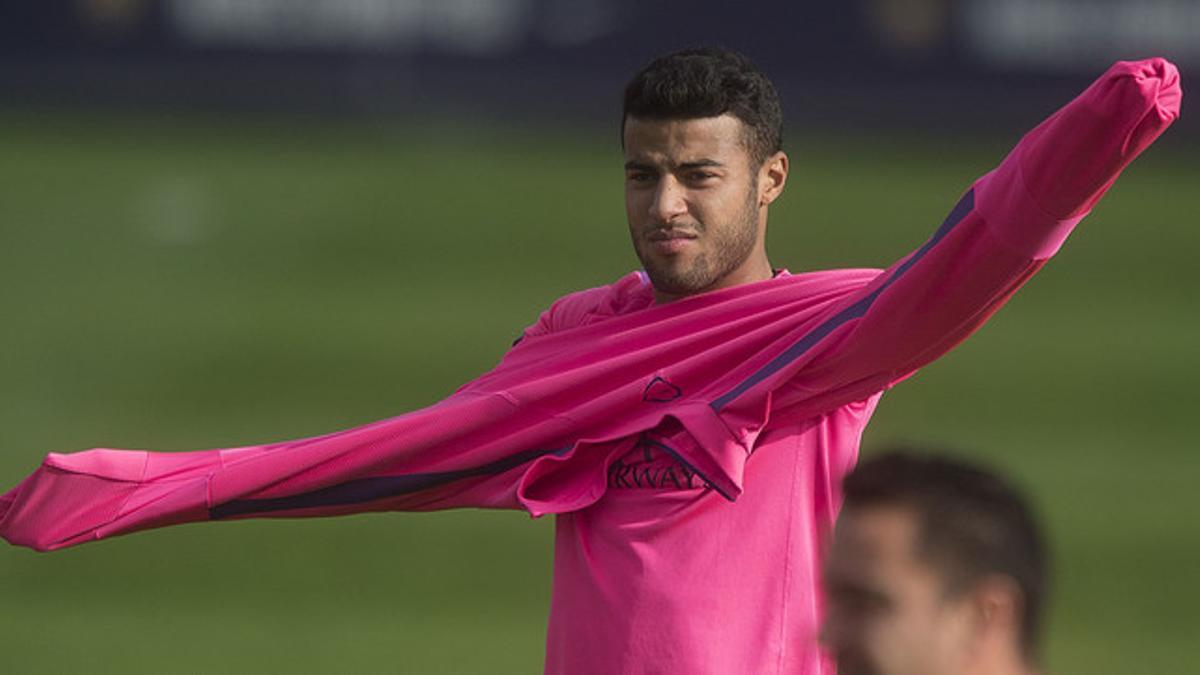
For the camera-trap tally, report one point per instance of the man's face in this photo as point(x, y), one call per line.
point(694, 204)
point(886, 611)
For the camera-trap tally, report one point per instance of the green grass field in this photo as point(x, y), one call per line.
point(181, 284)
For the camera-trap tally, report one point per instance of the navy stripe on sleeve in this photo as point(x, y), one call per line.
point(371, 489)
point(855, 311)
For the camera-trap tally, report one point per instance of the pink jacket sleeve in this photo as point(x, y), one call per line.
point(1001, 231)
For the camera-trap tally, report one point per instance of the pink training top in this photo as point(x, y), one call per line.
point(636, 423)
point(663, 575)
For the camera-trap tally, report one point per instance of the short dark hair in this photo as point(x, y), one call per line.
point(708, 82)
point(972, 523)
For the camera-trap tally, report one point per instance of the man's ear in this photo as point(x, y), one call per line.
point(999, 606)
point(772, 176)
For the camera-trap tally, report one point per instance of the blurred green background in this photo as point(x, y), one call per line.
point(179, 283)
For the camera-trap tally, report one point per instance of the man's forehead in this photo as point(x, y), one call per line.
point(683, 140)
point(879, 534)
point(874, 548)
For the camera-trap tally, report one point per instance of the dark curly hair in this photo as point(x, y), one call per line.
point(708, 82)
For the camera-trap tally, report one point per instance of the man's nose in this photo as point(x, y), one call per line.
point(669, 202)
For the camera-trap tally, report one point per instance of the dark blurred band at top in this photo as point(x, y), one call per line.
point(881, 62)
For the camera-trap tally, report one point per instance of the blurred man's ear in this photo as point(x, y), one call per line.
point(998, 604)
point(771, 178)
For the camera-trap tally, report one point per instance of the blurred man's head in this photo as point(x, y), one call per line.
point(702, 133)
point(936, 568)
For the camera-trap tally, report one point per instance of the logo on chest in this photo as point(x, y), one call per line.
point(651, 465)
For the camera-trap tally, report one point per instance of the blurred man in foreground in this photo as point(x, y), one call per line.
point(936, 568)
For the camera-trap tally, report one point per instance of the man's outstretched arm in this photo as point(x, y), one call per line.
point(1000, 233)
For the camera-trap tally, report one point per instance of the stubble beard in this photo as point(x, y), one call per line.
point(727, 248)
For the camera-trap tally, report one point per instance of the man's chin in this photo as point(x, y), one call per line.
point(676, 287)
point(675, 279)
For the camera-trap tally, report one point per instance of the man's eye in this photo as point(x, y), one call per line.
point(858, 602)
point(701, 176)
point(639, 177)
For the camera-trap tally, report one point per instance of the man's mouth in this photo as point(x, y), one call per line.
point(670, 242)
point(668, 235)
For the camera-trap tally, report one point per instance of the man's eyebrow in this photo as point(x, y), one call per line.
point(858, 592)
point(700, 164)
point(634, 165)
